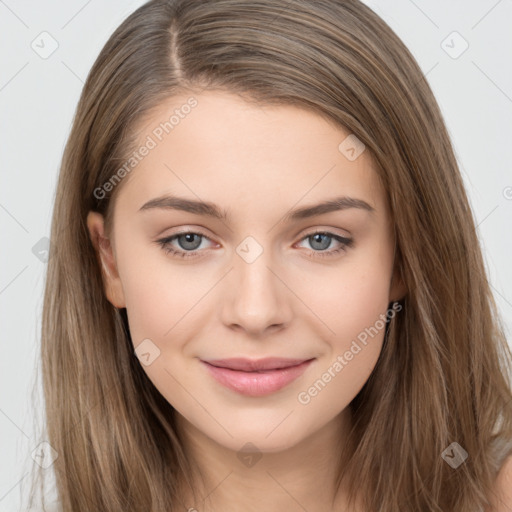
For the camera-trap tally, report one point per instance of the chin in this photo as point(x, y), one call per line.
point(276, 442)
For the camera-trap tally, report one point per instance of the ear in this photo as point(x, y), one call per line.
point(106, 258)
point(397, 287)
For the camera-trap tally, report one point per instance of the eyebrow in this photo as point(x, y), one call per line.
point(208, 209)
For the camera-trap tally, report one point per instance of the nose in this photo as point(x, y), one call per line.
point(257, 299)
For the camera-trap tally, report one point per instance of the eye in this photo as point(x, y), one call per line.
point(322, 240)
point(189, 243)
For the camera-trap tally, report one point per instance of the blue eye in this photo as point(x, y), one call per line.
point(188, 240)
point(189, 243)
point(318, 241)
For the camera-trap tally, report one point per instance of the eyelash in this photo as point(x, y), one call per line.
point(345, 243)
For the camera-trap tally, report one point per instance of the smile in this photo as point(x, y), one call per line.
point(256, 377)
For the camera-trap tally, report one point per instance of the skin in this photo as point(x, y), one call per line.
point(258, 163)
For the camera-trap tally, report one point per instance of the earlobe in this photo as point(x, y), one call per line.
point(397, 289)
point(106, 259)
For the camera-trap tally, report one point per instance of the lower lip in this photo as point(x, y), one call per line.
point(257, 383)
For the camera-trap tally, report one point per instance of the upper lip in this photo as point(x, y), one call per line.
point(250, 365)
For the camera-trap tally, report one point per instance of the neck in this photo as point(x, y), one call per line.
point(302, 477)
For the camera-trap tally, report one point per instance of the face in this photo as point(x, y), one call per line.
point(267, 276)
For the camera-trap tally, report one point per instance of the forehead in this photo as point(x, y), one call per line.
point(216, 146)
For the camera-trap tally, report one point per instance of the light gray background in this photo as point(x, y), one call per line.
point(38, 97)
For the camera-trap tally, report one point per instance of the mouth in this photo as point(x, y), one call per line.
point(256, 377)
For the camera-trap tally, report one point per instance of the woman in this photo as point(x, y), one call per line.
point(266, 289)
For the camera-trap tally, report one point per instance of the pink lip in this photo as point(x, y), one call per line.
point(256, 377)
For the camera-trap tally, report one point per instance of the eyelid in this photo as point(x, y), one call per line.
point(165, 242)
point(185, 228)
point(323, 229)
point(199, 230)
point(186, 232)
point(345, 243)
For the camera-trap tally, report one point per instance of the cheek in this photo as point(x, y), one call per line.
point(161, 296)
point(351, 305)
point(358, 318)
point(352, 352)
point(348, 299)
point(163, 304)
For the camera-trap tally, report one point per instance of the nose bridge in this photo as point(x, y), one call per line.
point(257, 298)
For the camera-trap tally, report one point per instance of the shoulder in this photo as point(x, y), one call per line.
point(501, 496)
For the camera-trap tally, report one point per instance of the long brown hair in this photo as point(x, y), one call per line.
point(443, 375)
